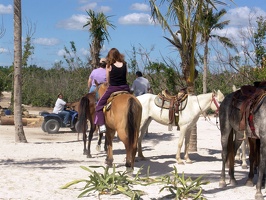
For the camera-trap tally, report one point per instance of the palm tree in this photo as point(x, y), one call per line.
point(210, 22)
point(19, 132)
point(186, 15)
point(98, 24)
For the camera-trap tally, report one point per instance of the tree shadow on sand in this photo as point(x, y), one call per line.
point(42, 163)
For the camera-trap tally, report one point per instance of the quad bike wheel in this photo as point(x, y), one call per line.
point(43, 127)
point(52, 126)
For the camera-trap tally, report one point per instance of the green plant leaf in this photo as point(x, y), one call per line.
point(73, 183)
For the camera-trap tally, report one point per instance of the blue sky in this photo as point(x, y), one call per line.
point(57, 22)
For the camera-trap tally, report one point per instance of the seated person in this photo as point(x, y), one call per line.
point(60, 109)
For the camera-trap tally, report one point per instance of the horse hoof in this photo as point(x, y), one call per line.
point(259, 196)
point(98, 148)
point(180, 162)
point(129, 171)
point(108, 163)
point(249, 183)
point(222, 184)
point(233, 182)
point(89, 156)
point(189, 162)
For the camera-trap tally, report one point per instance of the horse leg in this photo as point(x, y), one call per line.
point(243, 157)
point(89, 140)
point(238, 156)
point(227, 155)
point(130, 158)
point(233, 145)
point(183, 131)
point(252, 156)
point(109, 137)
point(98, 146)
point(262, 161)
point(143, 130)
point(187, 139)
point(84, 143)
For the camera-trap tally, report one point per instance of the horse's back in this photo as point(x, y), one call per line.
point(150, 109)
point(118, 113)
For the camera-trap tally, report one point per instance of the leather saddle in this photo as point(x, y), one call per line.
point(171, 102)
point(247, 100)
point(111, 98)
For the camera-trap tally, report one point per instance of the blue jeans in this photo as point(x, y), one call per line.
point(92, 89)
point(65, 114)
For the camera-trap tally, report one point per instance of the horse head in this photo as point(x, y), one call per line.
point(217, 98)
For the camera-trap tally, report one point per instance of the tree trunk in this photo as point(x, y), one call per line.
point(205, 69)
point(19, 132)
point(193, 145)
point(193, 139)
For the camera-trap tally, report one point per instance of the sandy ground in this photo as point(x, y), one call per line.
point(37, 169)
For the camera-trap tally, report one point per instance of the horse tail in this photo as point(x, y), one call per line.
point(133, 121)
point(82, 114)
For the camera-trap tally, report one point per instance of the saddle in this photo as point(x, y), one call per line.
point(247, 100)
point(171, 102)
point(111, 98)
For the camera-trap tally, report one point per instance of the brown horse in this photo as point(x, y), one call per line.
point(123, 117)
point(86, 112)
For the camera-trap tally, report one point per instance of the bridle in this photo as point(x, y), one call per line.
point(217, 111)
point(215, 103)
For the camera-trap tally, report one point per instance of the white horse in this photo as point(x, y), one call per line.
point(188, 117)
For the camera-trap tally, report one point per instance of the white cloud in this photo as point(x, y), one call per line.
point(3, 50)
point(105, 9)
point(75, 22)
point(242, 16)
point(46, 41)
point(84, 51)
point(229, 32)
point(93, 6)
point(242, 22)
point(6, 9)
point(136, 18)
point(140, 7)
point(88, 6)
point(61, 52)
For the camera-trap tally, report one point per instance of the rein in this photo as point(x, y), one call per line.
point(215, 103)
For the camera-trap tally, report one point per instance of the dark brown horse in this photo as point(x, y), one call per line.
point(86, 112)
point(123, 117)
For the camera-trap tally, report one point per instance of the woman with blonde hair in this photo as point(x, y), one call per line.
point(116, 76)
